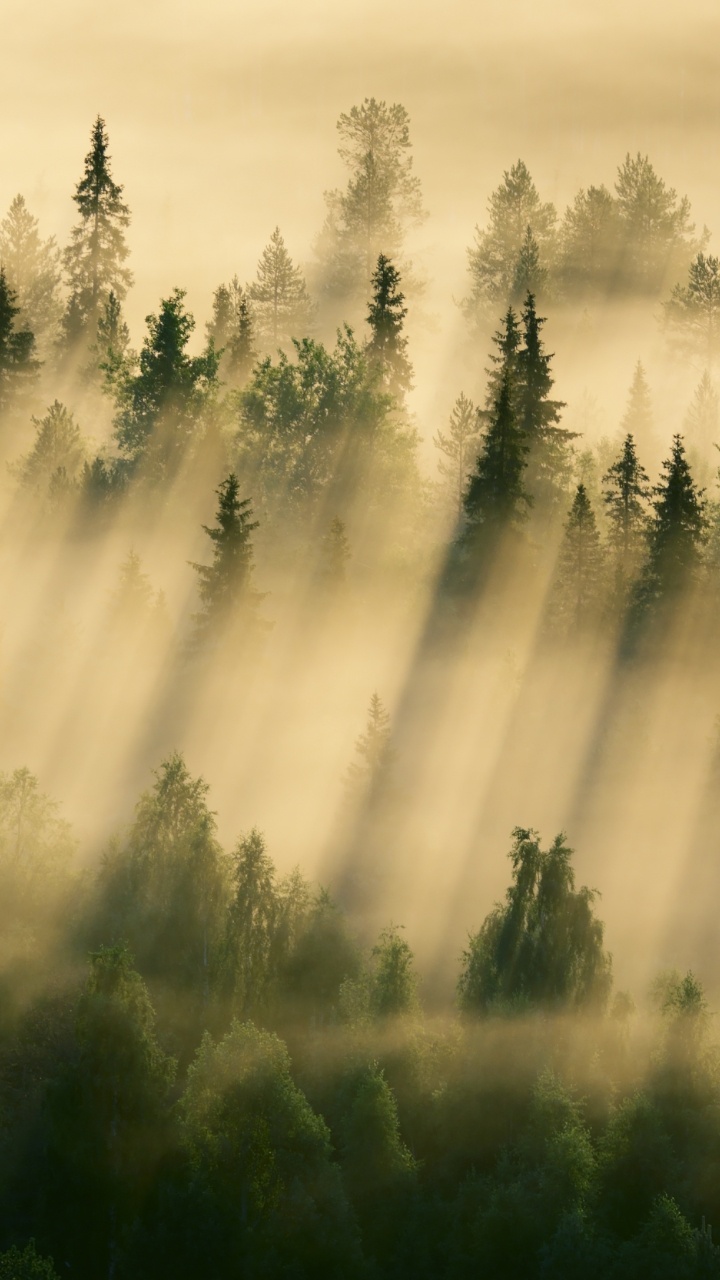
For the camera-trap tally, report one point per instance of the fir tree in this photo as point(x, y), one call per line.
point(229, 603)
point(637, 420)
point(538, 417)
point(232, 332)
point(97, 251)
point(508, 341)
point(387, 346)
point(626, 492)
point(496, 498)
point(458, 449)
point(18, 366)
point(577, 594)
point(281, 303)
point(33, 270)
point(676, 534)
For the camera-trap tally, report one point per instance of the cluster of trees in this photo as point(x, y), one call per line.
point(637, 239)
point(232, 1083)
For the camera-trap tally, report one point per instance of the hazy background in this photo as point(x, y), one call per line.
point(221, 120)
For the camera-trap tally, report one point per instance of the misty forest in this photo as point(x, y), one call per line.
point(360, 751)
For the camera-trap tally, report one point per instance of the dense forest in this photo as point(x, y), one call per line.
point(357, 1021)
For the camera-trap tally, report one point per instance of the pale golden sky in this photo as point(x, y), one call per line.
point(221, 115)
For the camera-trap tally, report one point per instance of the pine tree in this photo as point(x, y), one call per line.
point(693, 312)
point(381, 202)
point(229, 603)
point(676, 534)
point(496, 498)
point(33, 270)
point(513, 207)
point(657, 236)
point(637, 420)
point(18, 366)
point(387, 346)
point(459, 447)
point(232, 332)
point(625, 493)
point(164, 402)
point(281, 303)
point(538, 418)
point(589, 243)
point(577, 595)
point(59, 446)
point(530, 276)
point(97, 250)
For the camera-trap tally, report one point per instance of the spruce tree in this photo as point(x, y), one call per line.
point(97, 251)
point(626, 492)
point(676, 534)
point(232, 332)
point(387, 345)
point(530, 276)
point(637, 420)
point(59, 446)
point(164, 401)
point(375, 755)
point(495, 498)
point(459, 447)
point(538, 418)
point(281, 303)
point(229, 603)
point(577, 595)
point(18, 366)
point(508, 341)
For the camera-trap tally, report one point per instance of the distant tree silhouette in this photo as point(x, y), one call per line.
point(387, 345)
point(94, 259)
point(33, 269)
point(676, 535)
point(626, 493)
point(228, 601)
point(18, 365)
point(458, 449)
point(656, 235)
point(692, 314)
point(232, 331)
point(281, 303)
point(637, 419)
point(577, 595)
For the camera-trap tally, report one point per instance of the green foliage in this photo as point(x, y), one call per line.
point(387, 346)
point(543, 947)
point(657, 236)
point(36, 849)
point(626, 492)
point(675, 537)
point(248, 958)
point(232, 332)
point(229, 603)
point(26, 1264)
point(577, 596)
point(393, 990)
point(496, 499)
point(319, 426)
point(18, 366)
point(97, 251)
point(590, 246)
point(165, 402)
point(538, 416)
